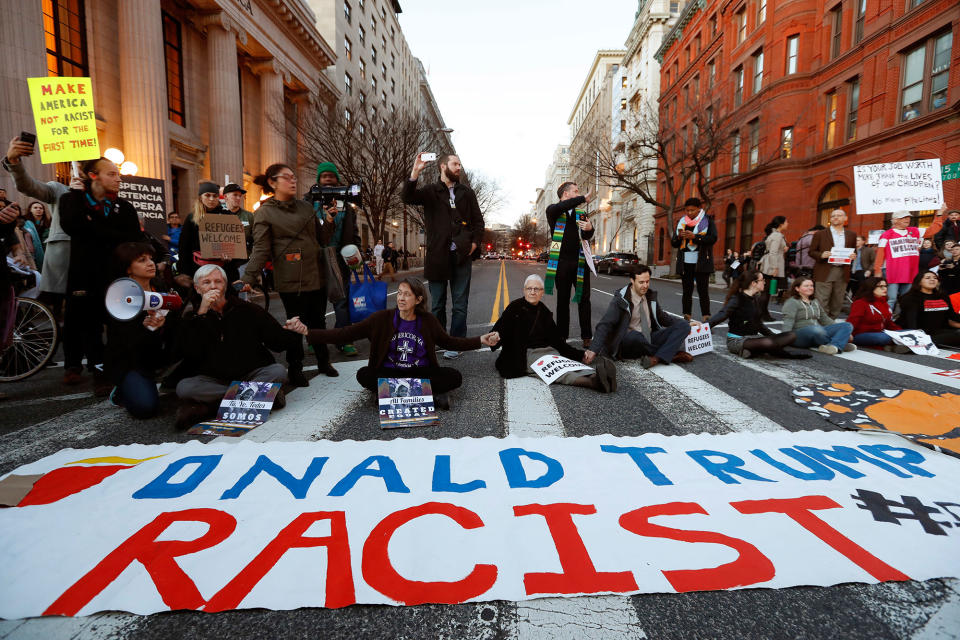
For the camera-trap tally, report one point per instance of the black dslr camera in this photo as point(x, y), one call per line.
point(326, 195)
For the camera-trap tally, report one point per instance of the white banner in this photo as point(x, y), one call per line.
point(549, 368)
point(904, 247)
point(918, 341)
point(699, 340)
point(913, 185)
point(840, 256)
point(282, 525)
point(588, 256)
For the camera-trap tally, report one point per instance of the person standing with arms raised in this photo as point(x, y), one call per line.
point(567, 266)
point(899, 253)
point(454, 229)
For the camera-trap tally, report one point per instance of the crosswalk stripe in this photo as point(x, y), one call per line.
point(686, 416)
point(901, 366)
point(787, 373)
point(530, 411)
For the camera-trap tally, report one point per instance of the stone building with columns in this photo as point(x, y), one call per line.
point(189, 90)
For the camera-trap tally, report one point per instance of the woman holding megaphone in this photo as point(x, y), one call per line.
point(138, 348)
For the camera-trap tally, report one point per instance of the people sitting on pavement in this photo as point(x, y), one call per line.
point(528, 333)
point(138, 349)
point(803, 315)
point(870, 316)
point(636, 326)
point(403, 342)
point(950, 272)
point(226, 339)
point(747, 336)
point(926, 308)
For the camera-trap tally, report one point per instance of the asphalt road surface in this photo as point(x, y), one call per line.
point(41, 417)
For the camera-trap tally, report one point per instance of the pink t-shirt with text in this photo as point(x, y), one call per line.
point(901, 254)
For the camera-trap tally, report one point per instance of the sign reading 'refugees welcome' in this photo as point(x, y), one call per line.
point(291, 524)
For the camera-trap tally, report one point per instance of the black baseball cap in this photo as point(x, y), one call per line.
point(230, 188)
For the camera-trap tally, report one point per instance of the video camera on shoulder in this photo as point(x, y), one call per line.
point(327, 195)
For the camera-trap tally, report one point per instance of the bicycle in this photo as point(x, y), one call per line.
point(31, 341)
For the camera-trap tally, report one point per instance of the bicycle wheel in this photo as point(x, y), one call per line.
point(34, 341)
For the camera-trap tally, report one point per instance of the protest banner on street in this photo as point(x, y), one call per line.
point(699, 340)
point(898, 186)
point(65, 120)
point(282, 525)
point(917, 340)
point(245, 406)
point(549, 368)
point(148, 198)
point(222, 236)
point(405, 402)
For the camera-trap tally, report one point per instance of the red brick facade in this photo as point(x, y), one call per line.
point(903, 111)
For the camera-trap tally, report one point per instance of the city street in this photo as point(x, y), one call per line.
point(717, 393)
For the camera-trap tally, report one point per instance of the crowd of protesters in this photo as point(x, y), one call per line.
point(78, 238)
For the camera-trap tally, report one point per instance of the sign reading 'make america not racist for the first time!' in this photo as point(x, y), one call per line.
point(65, 120)
point(282, 525)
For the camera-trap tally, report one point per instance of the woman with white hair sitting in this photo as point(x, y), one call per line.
point(528, 332)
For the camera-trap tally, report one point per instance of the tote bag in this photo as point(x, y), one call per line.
point(366, 296)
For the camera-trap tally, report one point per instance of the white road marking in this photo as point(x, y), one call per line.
point(778, 369)
point(690, 418)
point(64, 398)
point(101, 626)
point(943, 624)
point(35, 441)
point(902, 366)
point(530, 410)
point(580, 618)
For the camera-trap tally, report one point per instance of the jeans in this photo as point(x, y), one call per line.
point(836, 334)
point(459, 293)
point(688, 277)
point(137, 393)
point(894, 291)
point(872, 339)
point(566, 283)
point(664, 343)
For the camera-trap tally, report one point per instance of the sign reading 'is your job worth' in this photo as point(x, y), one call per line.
point(65, 119)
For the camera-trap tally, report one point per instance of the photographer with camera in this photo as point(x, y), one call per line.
point(287, 232)
point(345, 232)
point(454, 229)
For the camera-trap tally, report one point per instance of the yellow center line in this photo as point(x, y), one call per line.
point(502, 291)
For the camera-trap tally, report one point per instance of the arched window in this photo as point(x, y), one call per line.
point(660, 242)
point(730, 241)
point(746, 227)
point(834, 195)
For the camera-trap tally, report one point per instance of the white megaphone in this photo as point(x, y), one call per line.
point(351, 255)
point(126, 299)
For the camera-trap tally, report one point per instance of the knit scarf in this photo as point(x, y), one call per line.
point(555, 257)
point(700, 224)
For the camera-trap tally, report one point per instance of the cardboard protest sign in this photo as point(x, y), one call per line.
point(148, 198)
point(897, 186)
point(930, 419)
point(282, 525)
point(245, 406)
point(222, 235)
point(918, 341)
point(65, 119)
point(699, 340)
point(874, 236)
point(405, 402)
point(588, 256)
point(734, 264)
point(840, 256)
point(549, 368)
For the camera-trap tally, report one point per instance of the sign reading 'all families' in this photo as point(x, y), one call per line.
point(148, 198)
point(65, 120)
point(912, 185)
point(281, 525)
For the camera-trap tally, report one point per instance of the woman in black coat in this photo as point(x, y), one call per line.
point(695, 236)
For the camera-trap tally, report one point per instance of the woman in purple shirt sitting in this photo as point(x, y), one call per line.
point(403, 342)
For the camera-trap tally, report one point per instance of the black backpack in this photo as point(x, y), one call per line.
point(758, 250)
point(792, 253)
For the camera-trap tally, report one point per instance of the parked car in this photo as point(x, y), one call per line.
point(544, 256)
point(617, 262)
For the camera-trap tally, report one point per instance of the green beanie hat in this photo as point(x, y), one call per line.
point(324, 167)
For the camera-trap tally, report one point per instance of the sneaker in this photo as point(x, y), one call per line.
point(113, 398)
point(649, 361)
point(73, 376)
point(847, 348)
point(897, 348)
point(451, 355)
point(190, 412)
point(829, 349)
point(348, 350)
point(682, 357)
point(441, 401)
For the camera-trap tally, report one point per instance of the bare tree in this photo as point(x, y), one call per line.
point(489, 193)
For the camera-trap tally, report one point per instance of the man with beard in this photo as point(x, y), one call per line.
point(454, 229)
point(97, 221)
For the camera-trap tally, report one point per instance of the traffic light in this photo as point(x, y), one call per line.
point(489, 246)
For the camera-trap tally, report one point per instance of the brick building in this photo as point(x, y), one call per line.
point(806, 89)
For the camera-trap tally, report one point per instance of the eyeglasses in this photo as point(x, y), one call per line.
point(881, 286)
point(286, 176)
point(533, 289)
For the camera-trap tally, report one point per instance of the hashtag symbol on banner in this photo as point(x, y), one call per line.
point(910, 508)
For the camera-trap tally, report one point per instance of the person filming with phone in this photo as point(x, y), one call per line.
point(567, 267)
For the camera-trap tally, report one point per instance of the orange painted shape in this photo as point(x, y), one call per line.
point(951, 444)
point(66, 481)
point(836, 408)
point(917, 412)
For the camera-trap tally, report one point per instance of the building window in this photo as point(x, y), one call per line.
point(854, 105)
point(730, 235)
point(393, 85)
point(696, 88)
point(347, 84)
point(786, 143)
point(686, 53)
point(348, 48)
point(757, 71)
point(393, 61)
point(926, 71)
point(831, 128)
point(793, 52)
point(674, 6)
point(686, 96)
point(64, 26)
point(738, 86)
point(360, 2)
point(362, 98)
point(361, 34)
point(346, 11)
point(383, 97)
point(361, 129)
point(173, 60)
point(623, 82)
point(754, 143)
point(373, 82)
point(860, 11)
point(347, 115)
point(735, 154)
point(916, 3)
point(713, 25)
point(836, 21)
point(711, 74)
point(761, 11)
point(746, 227)
point(383, 70)
point(373, 55)
point(373, 25)
point(696, 45)
point(623, 103)
point(623, 125)
point(741, 25)
point(363, 69)
point(383, 14)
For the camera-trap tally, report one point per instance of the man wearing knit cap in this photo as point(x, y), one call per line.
point(344, 218)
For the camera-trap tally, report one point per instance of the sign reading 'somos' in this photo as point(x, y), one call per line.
point(913, 185)
point(65, 120)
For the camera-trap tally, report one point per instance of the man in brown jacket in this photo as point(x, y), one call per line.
point(830, 280)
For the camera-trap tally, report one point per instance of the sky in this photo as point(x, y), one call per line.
point(506, 74)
